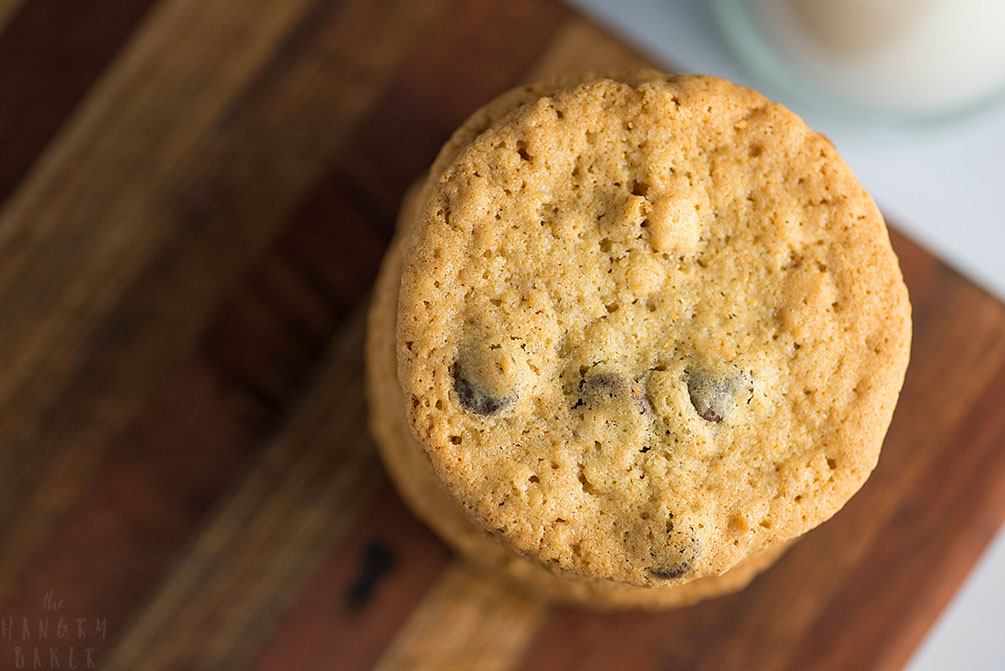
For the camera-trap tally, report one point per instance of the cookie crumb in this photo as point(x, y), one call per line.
point(674, 224)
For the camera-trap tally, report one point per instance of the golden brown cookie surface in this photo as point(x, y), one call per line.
point(418, 485)
point(648, 329)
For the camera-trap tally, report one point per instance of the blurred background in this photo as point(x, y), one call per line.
point(195, 196)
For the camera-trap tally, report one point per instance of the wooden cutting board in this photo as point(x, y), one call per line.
point(195, 197)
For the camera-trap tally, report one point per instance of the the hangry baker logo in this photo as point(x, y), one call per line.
point(52, 638)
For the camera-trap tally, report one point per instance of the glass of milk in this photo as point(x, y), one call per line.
point(897, 60)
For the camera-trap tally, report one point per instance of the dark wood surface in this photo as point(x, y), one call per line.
point(195, 197)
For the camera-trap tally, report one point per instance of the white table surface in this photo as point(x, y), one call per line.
point(940, 185)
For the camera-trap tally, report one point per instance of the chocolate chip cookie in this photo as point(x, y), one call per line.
point(415, 480)
point(648, 326)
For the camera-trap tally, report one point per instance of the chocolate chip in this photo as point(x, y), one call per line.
point(477, 400)
point(687, 547)
point(610, 385)
point(671, 573)
point(714, 394)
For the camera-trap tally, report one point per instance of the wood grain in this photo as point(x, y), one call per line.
point(34, 107)
point(269, 536)
point(92, 214)
point(193, 202)
point(466, 622)
point(335, 624)
point(7, 9)
point(270, 145)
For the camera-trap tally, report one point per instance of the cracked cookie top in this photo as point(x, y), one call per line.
point(649, 326)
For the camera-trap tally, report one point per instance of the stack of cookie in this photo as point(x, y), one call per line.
point(634, 334)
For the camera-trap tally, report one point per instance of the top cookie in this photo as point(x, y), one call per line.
point(648, 328)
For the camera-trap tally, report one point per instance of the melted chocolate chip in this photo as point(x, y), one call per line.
point(671, 573)
point(477, 400)
point(640, 398)
point(714, 395)
point(613, 385)
point(688, 547)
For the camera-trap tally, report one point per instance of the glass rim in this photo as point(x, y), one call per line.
point(749, 46)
